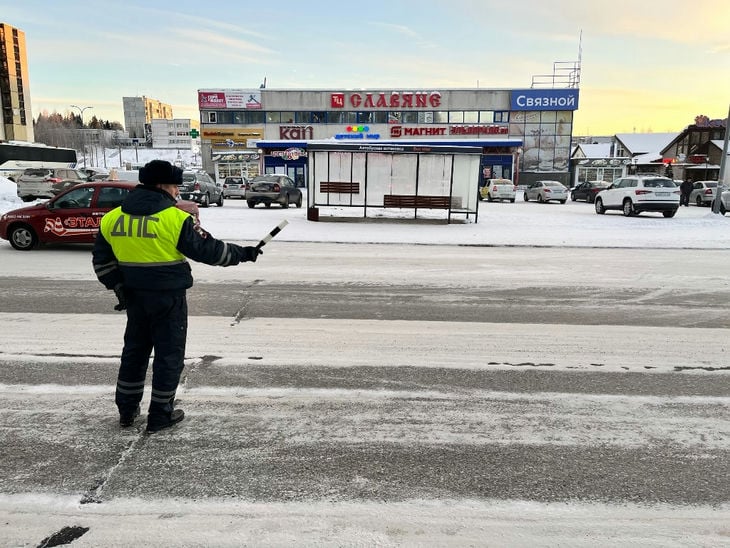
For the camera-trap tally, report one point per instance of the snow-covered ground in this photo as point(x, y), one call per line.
point(125, 522)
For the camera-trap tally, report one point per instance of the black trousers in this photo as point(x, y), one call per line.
point(155, 321)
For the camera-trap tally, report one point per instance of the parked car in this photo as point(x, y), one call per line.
point(498, 189)
point(724, 201)
point(546, 191)
point(71, 217)
point(703, 193)
point(273, 189)
point(638, 193)
point(197, 186)
point(235, 187)
point(587, 191)
point(47, 182)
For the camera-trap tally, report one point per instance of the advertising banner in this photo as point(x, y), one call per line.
point(239, 99)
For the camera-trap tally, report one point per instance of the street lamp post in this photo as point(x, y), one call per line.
point(81, 115)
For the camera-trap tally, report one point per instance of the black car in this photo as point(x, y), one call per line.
point(587, 191)
point(198, 187)
point(273, 189)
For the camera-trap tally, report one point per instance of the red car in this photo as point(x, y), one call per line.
point(71, 217)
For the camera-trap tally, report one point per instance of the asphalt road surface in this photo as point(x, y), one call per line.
point(386, 395)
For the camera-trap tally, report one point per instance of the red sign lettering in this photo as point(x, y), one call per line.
point(337, 100)
point(395, 99)
point(296, 132)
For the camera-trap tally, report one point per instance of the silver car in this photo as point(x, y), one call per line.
point(235, 187)
point(546, 191)
point(47, 182)
point(703, 193)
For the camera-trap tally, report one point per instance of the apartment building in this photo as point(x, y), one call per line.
point(139, 113)
point(17, 119)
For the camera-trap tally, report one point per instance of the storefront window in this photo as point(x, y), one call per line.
point(486, 116)
point(456, 117)
point(549, 116)
point(319, 117)
point(287, 117)
point(440, 117)
point(380, 117)
point(425, 117)
point(471, 117)
point(409, 117)
point(303, 117)
point(253, 117)
point(273, 117)
point(502, 116)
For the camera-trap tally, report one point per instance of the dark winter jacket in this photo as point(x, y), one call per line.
point(199, 246)
point(686, 187)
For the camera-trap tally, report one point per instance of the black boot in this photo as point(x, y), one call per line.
point(155, 423)
point(127, 419)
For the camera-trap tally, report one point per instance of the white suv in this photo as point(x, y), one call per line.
point(637, 193)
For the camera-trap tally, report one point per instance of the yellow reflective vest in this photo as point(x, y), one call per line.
point(145, 240)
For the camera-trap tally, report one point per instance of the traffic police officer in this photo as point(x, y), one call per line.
point(140, 253)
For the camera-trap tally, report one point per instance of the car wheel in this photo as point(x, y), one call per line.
point(512, 201)
point(698, 201)
point(572, 196)
point(285, 205)
point(599, 207)
point(563, 201)
point(219, 203)
point(489, 197)
point(540, 198)
point(267, 204)
point(205, 202)
point(591, 198)
point(722, 208)
point(298, 203)
point(251, 203)
point(23, 238)
point(628, 208)
point(527, 199)
point(669, 214)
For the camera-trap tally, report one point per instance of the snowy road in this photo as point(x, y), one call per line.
point(601, 417)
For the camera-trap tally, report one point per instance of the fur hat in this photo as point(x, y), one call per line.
point(160, 172)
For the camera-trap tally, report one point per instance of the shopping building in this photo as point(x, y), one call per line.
point(524, 134)
point(17, 120)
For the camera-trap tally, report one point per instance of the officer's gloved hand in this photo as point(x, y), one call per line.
point(119, 292)
point(248, 253)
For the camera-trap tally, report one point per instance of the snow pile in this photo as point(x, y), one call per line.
point(8, 195)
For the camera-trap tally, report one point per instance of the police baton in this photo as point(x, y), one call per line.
point(274, 232)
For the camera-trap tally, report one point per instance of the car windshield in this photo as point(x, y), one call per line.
point(188, 177)
point(658, 183)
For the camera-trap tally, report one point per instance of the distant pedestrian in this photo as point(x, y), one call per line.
point(140, 253)
point(685, 190)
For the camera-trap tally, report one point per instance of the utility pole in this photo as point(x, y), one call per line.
point(723, 165)
point(81, 115)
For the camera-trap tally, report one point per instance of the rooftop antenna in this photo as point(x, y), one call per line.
point(263, 84)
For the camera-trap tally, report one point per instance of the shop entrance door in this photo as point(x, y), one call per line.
point(298, 175)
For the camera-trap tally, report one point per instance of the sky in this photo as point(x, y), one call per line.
point(649, 66)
